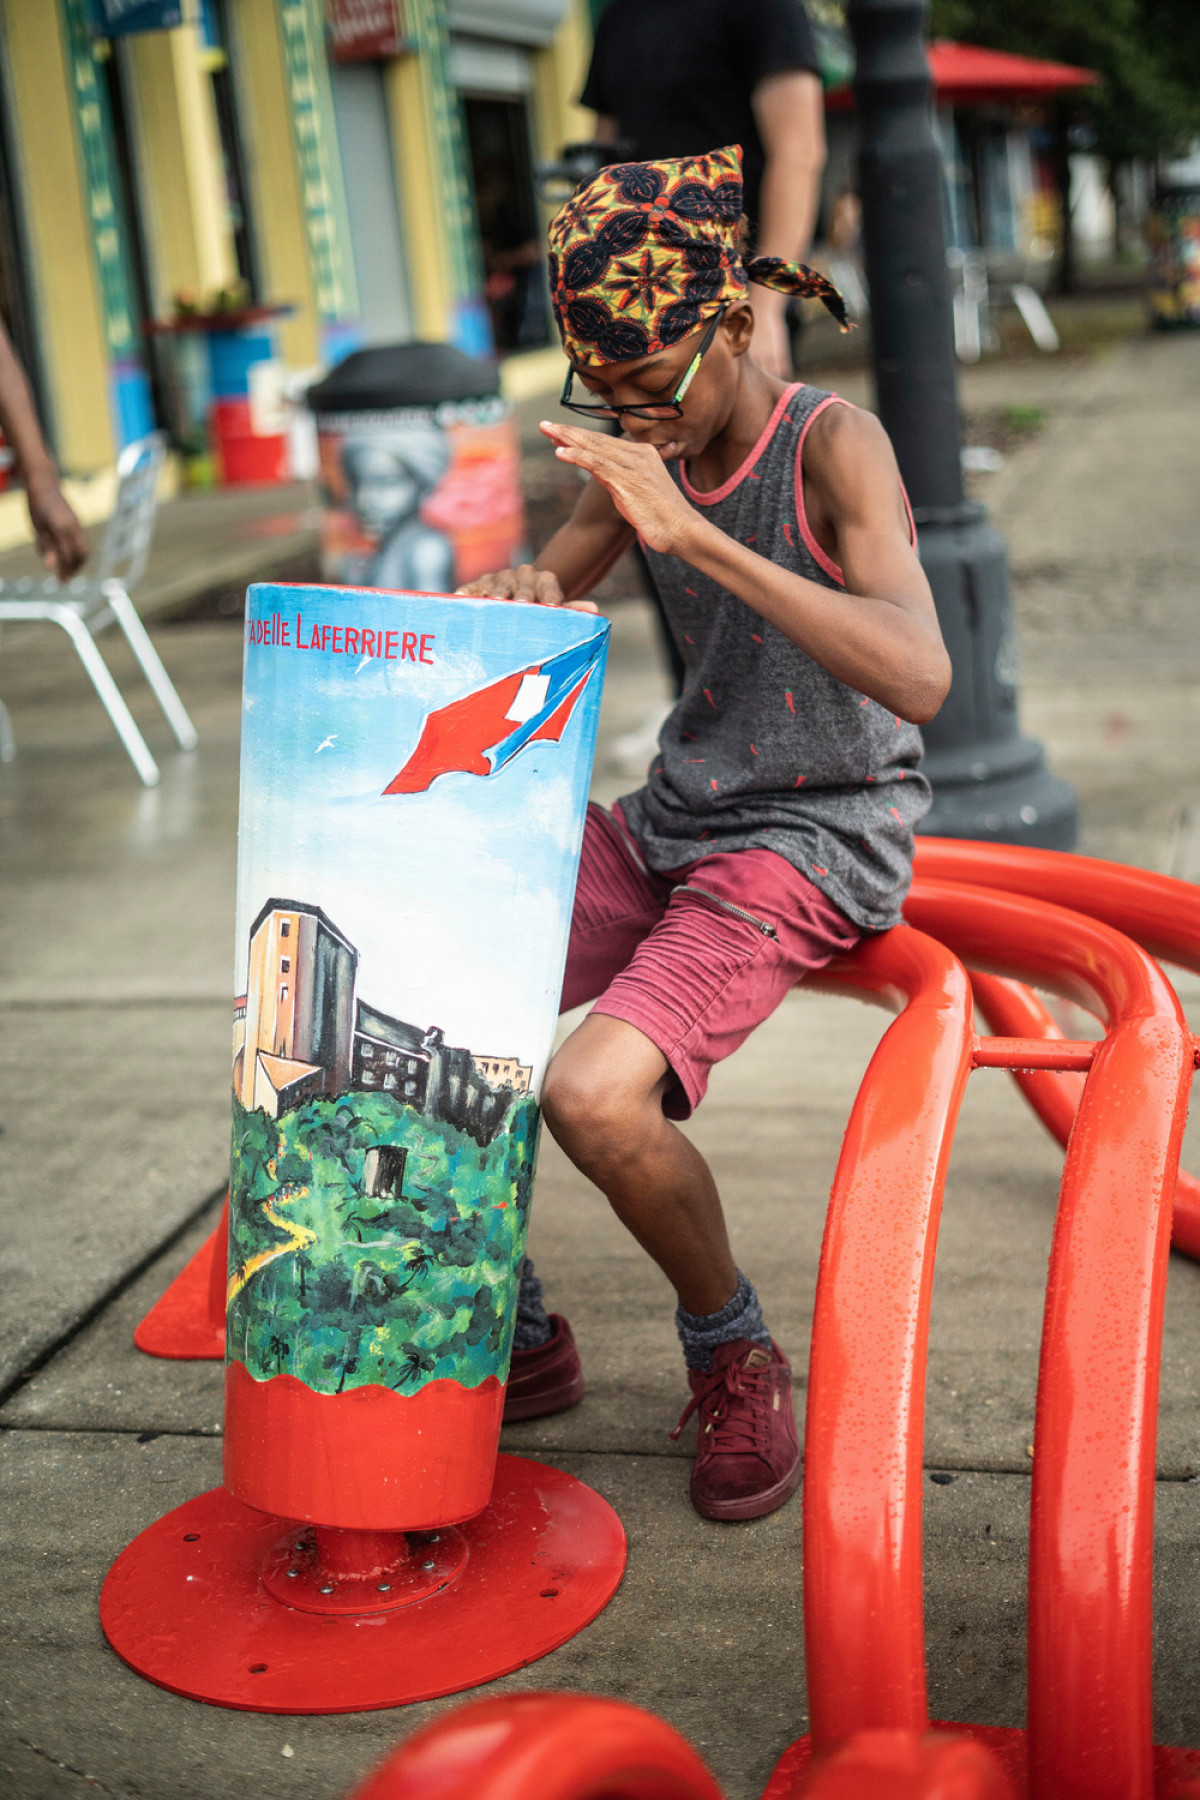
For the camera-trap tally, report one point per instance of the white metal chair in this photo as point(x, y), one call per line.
point(85, 606)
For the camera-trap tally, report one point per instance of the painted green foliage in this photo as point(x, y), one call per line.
point(343, 1289)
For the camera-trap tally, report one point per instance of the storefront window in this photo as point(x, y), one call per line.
point(509, 229)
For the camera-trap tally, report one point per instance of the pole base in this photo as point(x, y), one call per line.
point(1176, 1772)
point(187, 1323)
point(191, 1605)
point(1036, 808)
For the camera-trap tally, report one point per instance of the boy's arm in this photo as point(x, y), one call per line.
point(881, 636)
point(575, 560)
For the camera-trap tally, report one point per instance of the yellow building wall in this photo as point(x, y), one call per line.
point(560, 70)
point(275, 197)
point(428, 269)
point(63, 275)
point(180, 167)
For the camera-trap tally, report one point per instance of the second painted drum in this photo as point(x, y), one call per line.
point(414, 782)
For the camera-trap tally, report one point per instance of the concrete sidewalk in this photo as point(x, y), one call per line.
point(114, 988)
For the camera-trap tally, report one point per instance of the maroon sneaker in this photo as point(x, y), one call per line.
point(747, 1454)
point(546, 1380)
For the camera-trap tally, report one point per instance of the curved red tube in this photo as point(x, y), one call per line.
point(1093, 1475)
point(1158, 912)
point(554, 1746)
point(863, 1604)
point(901, 1765)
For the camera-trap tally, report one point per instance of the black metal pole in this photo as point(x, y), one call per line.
point(988, 780)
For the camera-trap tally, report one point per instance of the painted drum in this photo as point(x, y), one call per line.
point(414, 780)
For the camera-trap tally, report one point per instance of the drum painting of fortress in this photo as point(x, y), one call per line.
point(414, 781)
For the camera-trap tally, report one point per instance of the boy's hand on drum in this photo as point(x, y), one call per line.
point(636, 478)
point(527, 584)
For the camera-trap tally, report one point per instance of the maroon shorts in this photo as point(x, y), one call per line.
point(697, 958)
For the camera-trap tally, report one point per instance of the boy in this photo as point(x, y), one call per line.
point(775, 827)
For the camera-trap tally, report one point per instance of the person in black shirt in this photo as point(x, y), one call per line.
point(676, 77)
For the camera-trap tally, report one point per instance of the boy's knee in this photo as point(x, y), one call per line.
point(587, 1103)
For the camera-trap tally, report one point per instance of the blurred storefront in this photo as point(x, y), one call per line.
point(992, 119)
point(367, 163)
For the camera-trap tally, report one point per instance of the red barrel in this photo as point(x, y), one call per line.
point(246, 456)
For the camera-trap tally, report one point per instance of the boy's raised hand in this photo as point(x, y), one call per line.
point(634, 474)
point(527, 584)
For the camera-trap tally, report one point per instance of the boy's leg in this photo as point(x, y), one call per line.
point(603, 1102)
point(726, 951)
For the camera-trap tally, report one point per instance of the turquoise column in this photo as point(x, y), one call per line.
point(470, 325)
point(323, 193)
point(128, 384)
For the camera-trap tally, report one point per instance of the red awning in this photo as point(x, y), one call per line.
point(966, 75)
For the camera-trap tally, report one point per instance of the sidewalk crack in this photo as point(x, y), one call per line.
point(69, 1768)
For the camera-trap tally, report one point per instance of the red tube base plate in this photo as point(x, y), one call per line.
point(191, 1603)
point(1176, 1772)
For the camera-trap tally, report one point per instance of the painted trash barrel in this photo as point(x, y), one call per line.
point(420, 468)
point(414, 784)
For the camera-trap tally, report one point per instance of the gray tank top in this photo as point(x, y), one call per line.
point(766, 749)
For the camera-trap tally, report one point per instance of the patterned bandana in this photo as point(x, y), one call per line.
point(646, 252)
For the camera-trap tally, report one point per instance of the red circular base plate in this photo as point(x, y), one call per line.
point(184, 1605)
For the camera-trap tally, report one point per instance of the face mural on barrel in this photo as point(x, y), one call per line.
point(414, 781)
point(388, 475)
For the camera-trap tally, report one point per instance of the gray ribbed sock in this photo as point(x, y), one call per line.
point(700, 1333)
point(533, 1328)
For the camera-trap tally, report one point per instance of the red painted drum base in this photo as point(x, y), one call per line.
point(190, 1604)
point(188, 1321)
point(367, 1459)
point(1176, 1772)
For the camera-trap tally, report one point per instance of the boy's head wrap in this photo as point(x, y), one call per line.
point(644, 253)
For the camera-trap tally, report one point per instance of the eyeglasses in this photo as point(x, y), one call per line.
point(662, 409)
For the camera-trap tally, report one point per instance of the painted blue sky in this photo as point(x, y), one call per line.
point(458, 899)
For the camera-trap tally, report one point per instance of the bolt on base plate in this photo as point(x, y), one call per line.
point(192, 1603)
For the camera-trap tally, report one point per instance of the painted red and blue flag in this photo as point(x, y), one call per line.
point(481, 732)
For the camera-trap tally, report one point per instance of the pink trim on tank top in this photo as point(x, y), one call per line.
point(819, 556)
point(712, 495)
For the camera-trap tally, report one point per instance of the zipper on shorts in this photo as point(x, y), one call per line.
point(727, 906)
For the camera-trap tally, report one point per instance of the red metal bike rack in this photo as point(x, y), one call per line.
point(1091, 1545)
point(1156, 911)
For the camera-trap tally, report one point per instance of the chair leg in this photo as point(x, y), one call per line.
point(129, 619)
point(109, 692)
point(8, 744)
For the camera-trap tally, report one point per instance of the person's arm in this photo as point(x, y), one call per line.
point(881, 636)
point(60, 539)
point(606, 129)
point(575, 560)
point(790, 114)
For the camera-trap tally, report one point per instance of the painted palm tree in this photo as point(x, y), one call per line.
point(419, 1261)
